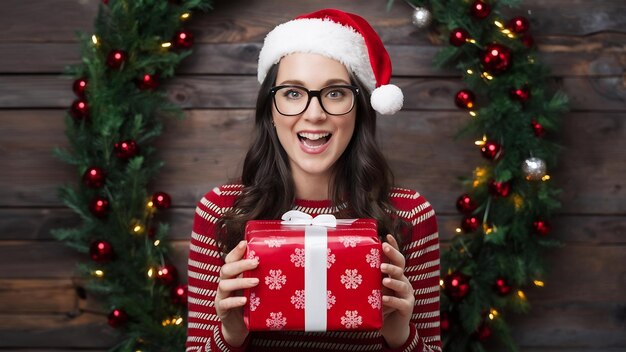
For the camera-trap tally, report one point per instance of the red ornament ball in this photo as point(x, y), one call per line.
point(444, 323)
point(465, 204)
point(183, 39)
point(456, 286)
point(94, 177)
point(148, 82)
point(502, 286)
point(465, 99)
point(528, 40)
point(520, 94)
point(161, 200)
point(496, 58)
point(480, 9)
point(117, 318)
point(541, 227)
point(99, 207)
point(79, 87)
point(79, 110)
point(179, 295)
point(502, 189)
point(167, 275)
point(491, 150)
point(101, 251)
point(458, 36)
point(116, 59)
point(482, 333)
point(518, 25)
point(537, 128)
point(470, 224)
point(126, 149)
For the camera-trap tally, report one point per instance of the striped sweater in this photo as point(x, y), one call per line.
point(422, 269)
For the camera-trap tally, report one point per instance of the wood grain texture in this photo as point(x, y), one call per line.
point(207, 148)
point(582, 307)
point(598, 54)
point(604, 93)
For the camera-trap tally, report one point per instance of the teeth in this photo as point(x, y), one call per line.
point(314, 136)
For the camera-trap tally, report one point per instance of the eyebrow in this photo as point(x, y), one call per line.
point(327, 83)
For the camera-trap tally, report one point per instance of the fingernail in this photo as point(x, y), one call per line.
point(254, 280)
point(242, 244)
point(384, 266)
point(386, 280)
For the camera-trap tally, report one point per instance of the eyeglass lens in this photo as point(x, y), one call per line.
point(294, 100)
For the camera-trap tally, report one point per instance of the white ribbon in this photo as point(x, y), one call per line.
point(315, 257)
point(296, 217)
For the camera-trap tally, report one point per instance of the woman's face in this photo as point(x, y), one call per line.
point(313, 140)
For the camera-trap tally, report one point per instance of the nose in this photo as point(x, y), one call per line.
point(314, 111)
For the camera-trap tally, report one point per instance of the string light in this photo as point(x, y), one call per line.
point(545, 178)
point(137, 227)
point(518, 201)
point(470, 72)
point(441, 282)
point(470, 40)
point(185, 16)
point(94, 39)
point(487, 76)
point(493, 314)
point(473, 113)
point(521, 295)
point(156, 243)
point(459, 230)
point(172, 321)
point(481, 143)
point(98, 273)
point(498, 23)
point(151, 272)
point(165, 45)
point(538, 283)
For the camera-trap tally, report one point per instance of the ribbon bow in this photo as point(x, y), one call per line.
point(296, 217)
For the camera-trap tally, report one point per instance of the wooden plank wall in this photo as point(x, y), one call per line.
point(582, 307)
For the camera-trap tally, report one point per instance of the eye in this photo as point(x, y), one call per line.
point(336, 93)
point(292, 93)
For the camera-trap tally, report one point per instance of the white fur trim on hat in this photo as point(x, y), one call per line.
point(318, 36)
point(387, 99)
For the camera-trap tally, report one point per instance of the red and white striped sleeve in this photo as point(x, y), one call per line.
point(204, 327)
point(422, 269)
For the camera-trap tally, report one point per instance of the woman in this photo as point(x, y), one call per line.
point(315, 150)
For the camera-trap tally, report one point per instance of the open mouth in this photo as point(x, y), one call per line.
point(314, 140)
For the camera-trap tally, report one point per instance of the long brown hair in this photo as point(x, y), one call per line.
point(361, 177)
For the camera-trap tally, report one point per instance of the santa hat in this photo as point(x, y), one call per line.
point(341, 36)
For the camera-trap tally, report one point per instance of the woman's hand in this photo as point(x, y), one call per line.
point(228, 300)
point(398, 298)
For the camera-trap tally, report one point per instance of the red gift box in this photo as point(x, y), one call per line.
point(314, 275)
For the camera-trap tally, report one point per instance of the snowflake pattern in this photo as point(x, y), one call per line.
point(374, 299)
point(254, 301)
point(330, 300)
point(275, 242)
point(276, 321)
point(349, 241)
point(297, 258)
point(330, 259)
point(276, 280)
point(252, 255)
point(351, 320)
point(373, 258)
point(298, 299)
point(352, 279)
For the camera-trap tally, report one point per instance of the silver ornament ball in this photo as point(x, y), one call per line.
point(534, 168)
point(421, 17)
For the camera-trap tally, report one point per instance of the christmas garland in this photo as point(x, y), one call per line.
point(118, 112)
point(111, 126)
point(509, 200)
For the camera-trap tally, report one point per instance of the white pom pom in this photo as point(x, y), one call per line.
point(387, 99)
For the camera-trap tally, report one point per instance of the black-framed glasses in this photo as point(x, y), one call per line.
point(292, 100)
